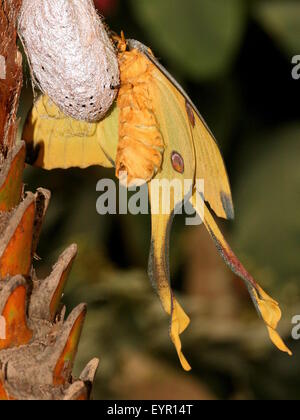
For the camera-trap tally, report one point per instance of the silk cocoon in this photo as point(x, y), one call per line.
point(71, 55)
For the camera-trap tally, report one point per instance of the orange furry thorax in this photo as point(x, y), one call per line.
point(140, 148)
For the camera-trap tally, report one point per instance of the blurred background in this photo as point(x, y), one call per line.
point(234, 59)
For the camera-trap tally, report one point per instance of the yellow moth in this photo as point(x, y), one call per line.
point(153, 132)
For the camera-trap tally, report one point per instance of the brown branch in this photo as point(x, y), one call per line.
point(37, 346)
point(10, 73)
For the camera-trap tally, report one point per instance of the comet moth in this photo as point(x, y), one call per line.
point(154, 131)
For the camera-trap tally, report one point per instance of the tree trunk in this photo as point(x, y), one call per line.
point(37, 346)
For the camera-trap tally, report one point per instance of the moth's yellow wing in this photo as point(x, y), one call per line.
point(267, 308)
point(184, 131)
point(56, 141)
point(210, 165)
point(180, 126)
point(107, 135)
point(178, 171)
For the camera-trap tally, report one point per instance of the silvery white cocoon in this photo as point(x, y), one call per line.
point(71, 55)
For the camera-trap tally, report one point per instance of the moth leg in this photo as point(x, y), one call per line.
point(267, 308)
point(159, 274)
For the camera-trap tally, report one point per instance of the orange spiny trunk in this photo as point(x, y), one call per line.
point(37, 346)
